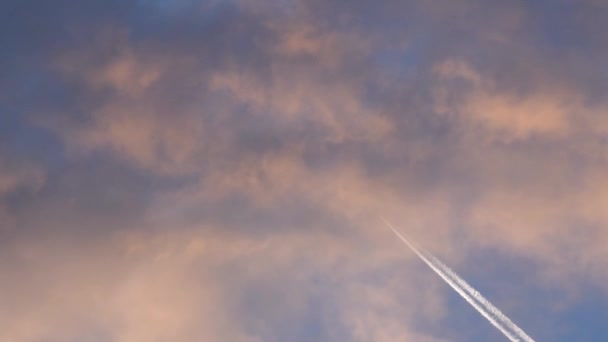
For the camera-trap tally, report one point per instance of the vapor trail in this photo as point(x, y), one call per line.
point(457, 288)
point(480, 298)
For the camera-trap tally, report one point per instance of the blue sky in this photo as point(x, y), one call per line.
point(217, 170)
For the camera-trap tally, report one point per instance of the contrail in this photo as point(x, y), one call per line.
point(458, 289)
point(480, 298)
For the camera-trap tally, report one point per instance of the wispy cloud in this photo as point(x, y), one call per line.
point(227, 160)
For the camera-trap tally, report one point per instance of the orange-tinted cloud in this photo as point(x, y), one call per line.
point(507, 117)
point(217, 172)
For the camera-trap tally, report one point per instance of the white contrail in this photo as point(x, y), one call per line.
point(479, 297)
point(457, 288)
point(476, 295)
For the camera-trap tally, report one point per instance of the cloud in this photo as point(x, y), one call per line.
point(141, 286)
point(508, 117)
point(313, 101)
point(17, 178)
point(15, 174)
point(216, 171)
point(122, 289)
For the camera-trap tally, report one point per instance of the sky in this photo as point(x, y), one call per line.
point(216, 170)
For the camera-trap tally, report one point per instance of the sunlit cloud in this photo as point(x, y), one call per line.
point(178, 170)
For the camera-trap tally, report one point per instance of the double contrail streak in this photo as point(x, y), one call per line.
point(460, 291)
point(472, 296)
point(480, 298)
